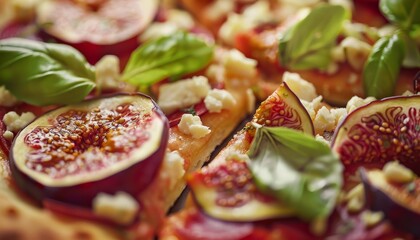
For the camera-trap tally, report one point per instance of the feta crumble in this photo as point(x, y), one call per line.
point(193, 126)
point(218, 99)
point(15, 122)
point(121, 208)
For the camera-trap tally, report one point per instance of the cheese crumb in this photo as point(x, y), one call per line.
point(8, 135)
point(14, 122)
point(327, 120)
point(174, 165)
point(121, 208)
point(250, 100)
point(218, 99)
point(107, 72)
point(219, 9)
point(182, 94)
point(193, 126)
point(356, 102)
point(313, 106)
point(6, 98)
point(236, 64)
point(302, 88)
point(356, 52)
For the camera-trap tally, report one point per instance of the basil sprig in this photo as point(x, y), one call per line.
point(44, 73)
point(383, 67)
point(307, 44)
point(390, 53)
point(297, 169)
point(175, 55)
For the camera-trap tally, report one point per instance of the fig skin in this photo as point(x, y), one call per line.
point(131, 179)
point(382, 196)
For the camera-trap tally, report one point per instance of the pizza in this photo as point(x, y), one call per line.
point(110, 107)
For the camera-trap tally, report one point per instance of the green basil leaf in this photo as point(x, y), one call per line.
point(304, 45)
point(412, 52)
point(300, 171)
point(404, 13)
point(382, 68)
point(174, 55)
point(44, 73)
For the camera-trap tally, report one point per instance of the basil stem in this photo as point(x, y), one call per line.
point(44, 73)
point(298, 170)
point(174, 55)
point(382, 68)
point(307, 44)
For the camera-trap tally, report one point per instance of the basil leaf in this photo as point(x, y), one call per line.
point(44, 73)
point(412, 52)
point(404, 13)
point(306, 44)
point(382, 67)
point(174, 55)
point(298, 170)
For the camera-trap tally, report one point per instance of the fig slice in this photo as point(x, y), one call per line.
point(399, 202)
point(108, 144)
point(227, 192)
point(381, 131)
point(283, 108)
point(97, 27)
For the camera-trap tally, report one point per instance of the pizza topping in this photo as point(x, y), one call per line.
point(356, 102)
point(103, 22)
point(96, 146)
point(173, 166)
point(307, 44)
point(59, 72)
point(370, 218)
point(6, 98)
point(397, 173)
point(107, 72)
point(121, 208)
point(15, 123)
point(218, 99)
point(303, 89)
point(283, 108)
point(381, 131)
point(228, 192)
point(193, 126)
point(400, 202)
point(237, 65)
point(182, 94)
point(297, 170)
point(356, 52)
point(167, 57)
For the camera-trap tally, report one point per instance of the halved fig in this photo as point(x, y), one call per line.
point(97, 27)
point(228, 192)
point(381, 131)
point(283, 108)
point(109, 144)
point(399, 202)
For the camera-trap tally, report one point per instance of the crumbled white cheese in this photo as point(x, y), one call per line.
point(407, 93)
point(356, 102)
point(180, 18)
point(219, 9)
point(6, 98)
point(253, 15)
point(302, 88)
point(346, 4)
point(313, 106)
point(387, 30)
point(250, 100)
point(356, 52)
point(236, 64)
point(157, 30)
point(14, 122)
point(327, 120)
point(174, 167)
point(8, 135)
point(107, 72)
point(337, 54)
point(218, 99)
point(121, 208)
point(193, 126)
point(216, 71)
point(183, 93)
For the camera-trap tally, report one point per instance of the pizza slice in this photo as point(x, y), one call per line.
point(141, 155)
point(337, 46)
point(276, 181)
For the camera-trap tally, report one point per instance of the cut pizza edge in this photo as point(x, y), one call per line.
point(220, 204)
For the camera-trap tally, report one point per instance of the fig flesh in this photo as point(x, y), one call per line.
point(109, 144)
point(399, 202)
point(381, 131)
point(97, 28)
point(228, 193)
